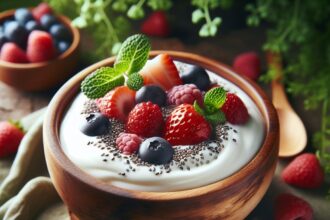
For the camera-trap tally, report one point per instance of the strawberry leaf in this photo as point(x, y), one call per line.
point(134, 81)
point(198, 109)
point(216, 117)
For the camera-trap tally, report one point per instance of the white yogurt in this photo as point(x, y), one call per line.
point(238, 150)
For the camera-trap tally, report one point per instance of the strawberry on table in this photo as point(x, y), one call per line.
point(161, 71)
point(290, 207)
point(117, 103)
point(11, 135)
point(235, 110)
point(10, 52)
point(156, 25)
point(247, 64)
point(185, 126)
point(145, 119)
point(40, 47)
point(304, 171)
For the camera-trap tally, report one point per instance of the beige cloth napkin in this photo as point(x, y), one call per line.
point(27, 192)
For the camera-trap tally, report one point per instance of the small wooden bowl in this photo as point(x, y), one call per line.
point(44, 75)
point(231, 198)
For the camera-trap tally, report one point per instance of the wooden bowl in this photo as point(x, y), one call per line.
point(43, 75)
point(231, 198)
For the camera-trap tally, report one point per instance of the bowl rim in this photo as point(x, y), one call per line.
point(53, 118)
point(74, 44)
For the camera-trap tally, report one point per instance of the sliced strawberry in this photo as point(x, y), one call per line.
point(117, 103)
point(161, 71)
point(185, 126)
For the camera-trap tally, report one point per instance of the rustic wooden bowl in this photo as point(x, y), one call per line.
point(44, 75)
point(231, 198)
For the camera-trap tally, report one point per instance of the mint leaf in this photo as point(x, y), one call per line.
point(101, 81)
point(133, 54)
point(214, 99)
point(216, 117)
point(198, 109)
point(134, 81)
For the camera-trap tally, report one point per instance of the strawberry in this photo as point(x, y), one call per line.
point(247, 64)
point(304, 171)
point(235, 110)
point(156, 25)
point(10, 52)
point(185, 126)
point(42, 9)
point(145, 119)
point(11, 135)
point(117, 103)
point(290, 207)
point(161, 71)
point(40, 47)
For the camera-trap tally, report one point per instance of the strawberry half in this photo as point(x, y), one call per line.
point(161, 71)
point(185, 126)
point(117, 103)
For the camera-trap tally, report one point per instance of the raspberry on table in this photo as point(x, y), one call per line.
point(128, 143)
point(184, 94)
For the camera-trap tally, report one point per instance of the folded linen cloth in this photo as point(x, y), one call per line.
point(28, 193)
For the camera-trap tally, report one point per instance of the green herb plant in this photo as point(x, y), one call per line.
point(300, 32)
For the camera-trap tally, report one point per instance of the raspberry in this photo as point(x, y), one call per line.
point(289, 207)
point(235, 110)
point(184, 94)
point(304, 171)
point(128, 143)
point(145, 120)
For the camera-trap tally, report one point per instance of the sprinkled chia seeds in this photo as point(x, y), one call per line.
point(184, 158)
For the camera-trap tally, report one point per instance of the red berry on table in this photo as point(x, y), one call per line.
point(128, 143)
point(117, 103)
point(187, 93)
point(10, 52)
point(42, 9)
point(304, 171)
point(290, 207)
point(156, 25)
point(247, 64)
point(161, 71)
point(235, 110)
point(185, 126)
point(145, 119)
point(10, 137)
point(40, 47)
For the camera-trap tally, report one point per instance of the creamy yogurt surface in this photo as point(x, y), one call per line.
point(240, 145)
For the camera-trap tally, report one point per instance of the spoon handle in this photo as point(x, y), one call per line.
point(279, 97)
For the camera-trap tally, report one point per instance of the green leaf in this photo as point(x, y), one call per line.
point(217, 21)
point(159, 4)
point(197, 15)
point(204, 31)
point(214, 99)
point(198, 109)
point(216, 117)
point(134, 81)
point(101, 81)
point(119, 6)
point(135, 12)
point(133, 54)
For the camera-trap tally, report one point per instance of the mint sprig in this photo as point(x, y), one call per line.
point(101, 81)
point(213, 101)
point(132, 56)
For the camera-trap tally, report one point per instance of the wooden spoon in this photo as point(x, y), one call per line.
point(293, 135)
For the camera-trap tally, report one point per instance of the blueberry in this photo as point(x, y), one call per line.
point(32, 25)
point(156, 150)
point(16, 33)
point(47, 21)
point(23, 15)
point(198, 76)
point(95, 124)
point(62, 46)
point(152, 93)
point(60, 32)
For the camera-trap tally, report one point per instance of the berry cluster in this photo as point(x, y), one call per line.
point(150, 133)
point(33, 36)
